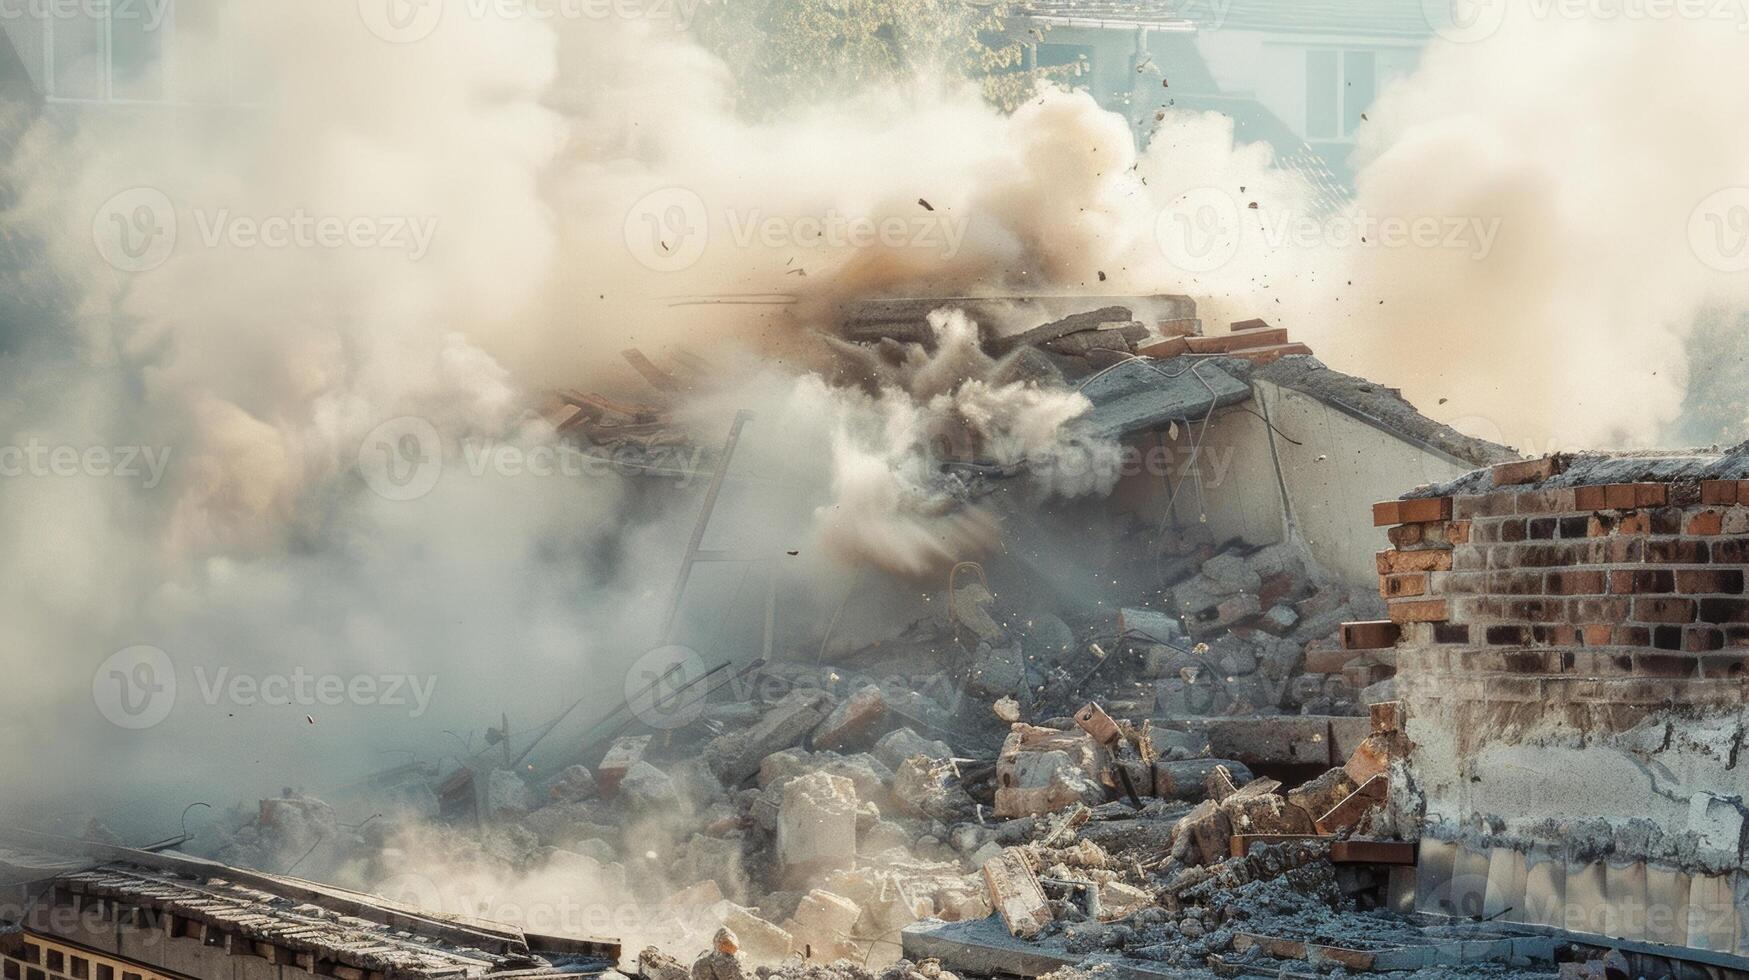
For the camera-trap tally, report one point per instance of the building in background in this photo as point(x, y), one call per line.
point(1298, 75)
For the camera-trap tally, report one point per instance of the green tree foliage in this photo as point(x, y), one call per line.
point(788, 51)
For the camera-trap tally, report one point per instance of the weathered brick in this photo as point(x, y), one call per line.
point(1622, 551)
point(1516, 583)
point(1550, 555)
point(1423, 611)
point(1732, 552)
point(1651, 494)
point(1720, 581)
point(1737, 521)
point(1678, 552)
point(1507, 636)
point(1722, 667)
point(1575, 527)
point(1488, 505)
point(1512, 531)
point(1387, 512)
point(1400, 586)
point(1424, 510)
point(1577, 583)
point(1641, 581)
point(1371, 635)
point(1724, 611)
point(1597, 635)
point(1666, 520)
point(1664, 665)
point(1664, 610)
point(1537, 610)
point(1606, 610)
point(1451, 633)
point(1703, 639)
point(1602, 525)
point(1635, 522)
point(1590, 498)
point(1397, 562)
point(1716, 493)
point(1633, 636)
point(1460, 583)
point(1405, 535)
point(1546, 502)
point(1619, 496)
point(1705, 522)
point(1457, 532)
point(1542, 528)
point(1529, 471)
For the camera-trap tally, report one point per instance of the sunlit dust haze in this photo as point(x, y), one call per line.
point(523, 199)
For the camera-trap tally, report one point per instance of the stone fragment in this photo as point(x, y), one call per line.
point(736, 756)
point(621, 757)
point(761, 941)
point(653, 964)
point(1007, 710)
point(1016, 894)
point(575, 785)
point(901, 744)
point(507, 796)
point(816, 826)
point(647, 789)
point(854, 723)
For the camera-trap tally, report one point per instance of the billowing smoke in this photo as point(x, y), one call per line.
point(386, 247)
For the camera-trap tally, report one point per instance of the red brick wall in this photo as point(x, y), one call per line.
point(1643, 581)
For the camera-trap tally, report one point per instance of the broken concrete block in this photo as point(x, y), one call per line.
point(1264, 813)
point(1348, 814)
point(724, 961)
point(762, 941)
point(883, 835)
point(1321, 795)
point(735, 757)
point(507, 796)
point(928, 788)
point(1016, 894)
point(1042, 770)
point(575, 785)
point(1049, 639)
point(825, 923)
point(901, 744)
point(621, 756)
point(1228, 573)
point(646, 789)
point(1210, 833)
point(997, 672)
point(1187, 780)
point(1372, 758)
point(1279, 620)
point(653, 964)
point(816, 826)
point(1147, 626)
point(854, 723)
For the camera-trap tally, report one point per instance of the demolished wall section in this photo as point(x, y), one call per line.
point(1572, 662)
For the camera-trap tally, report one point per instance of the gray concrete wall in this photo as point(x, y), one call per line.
point(1340, 469)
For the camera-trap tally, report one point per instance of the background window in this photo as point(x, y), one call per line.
point(1340, 85)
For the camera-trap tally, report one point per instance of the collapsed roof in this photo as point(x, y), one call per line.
point(283, 919)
